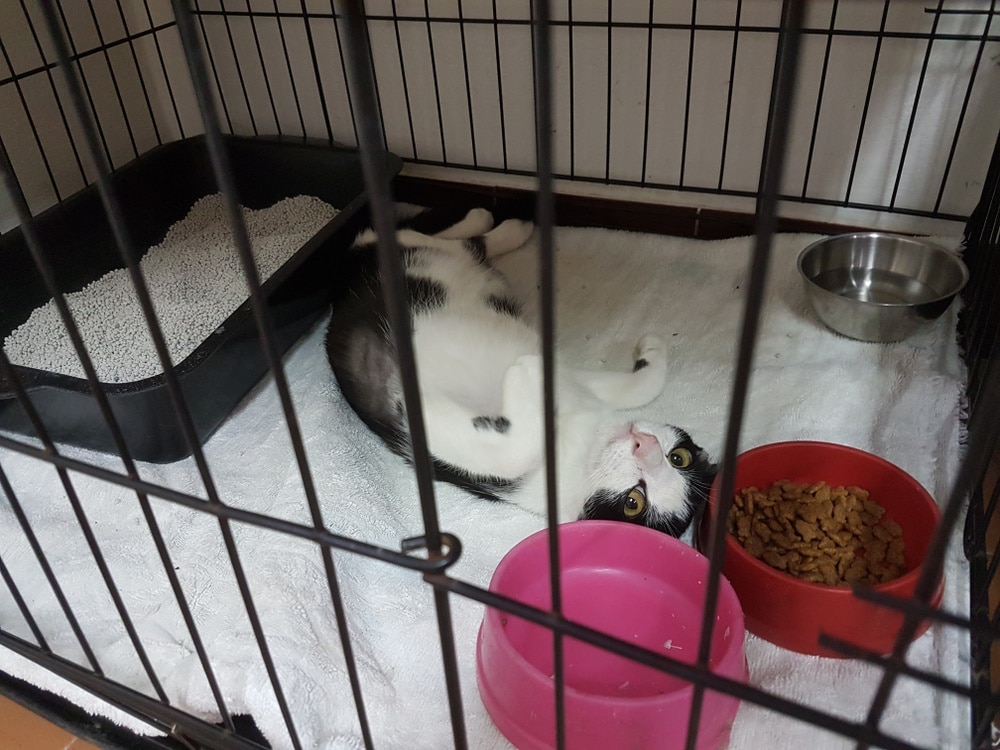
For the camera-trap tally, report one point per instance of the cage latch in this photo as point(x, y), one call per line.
point(437, 560)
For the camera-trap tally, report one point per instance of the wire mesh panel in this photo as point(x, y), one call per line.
point(892, 99)
point(980, 530)
point(885, 107)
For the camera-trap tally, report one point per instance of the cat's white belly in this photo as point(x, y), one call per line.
point(457, 359)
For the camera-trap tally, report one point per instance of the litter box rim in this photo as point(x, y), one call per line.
point(230, 362)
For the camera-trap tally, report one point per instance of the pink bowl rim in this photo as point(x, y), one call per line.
point(525, 667)
point(903, 582)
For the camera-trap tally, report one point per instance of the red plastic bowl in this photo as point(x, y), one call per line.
point(792, 613)
point(628, 581)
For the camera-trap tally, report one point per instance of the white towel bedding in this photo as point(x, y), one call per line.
point(901, 401)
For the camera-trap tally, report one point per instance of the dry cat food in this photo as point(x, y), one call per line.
point(832, 535)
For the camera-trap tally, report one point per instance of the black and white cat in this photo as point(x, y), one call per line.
point(479, 369)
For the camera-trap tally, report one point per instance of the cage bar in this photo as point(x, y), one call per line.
point(59, 137)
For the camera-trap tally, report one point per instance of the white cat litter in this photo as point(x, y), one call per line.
point(195, 280)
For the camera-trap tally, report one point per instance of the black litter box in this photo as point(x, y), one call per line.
point(157, 190)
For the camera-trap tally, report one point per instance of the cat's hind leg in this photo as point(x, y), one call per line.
point(477, 222)
point(628, 390)
point(506, 236)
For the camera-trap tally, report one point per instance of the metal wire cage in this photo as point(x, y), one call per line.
point(482, 86)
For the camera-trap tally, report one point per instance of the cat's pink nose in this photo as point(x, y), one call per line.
point(646, 448)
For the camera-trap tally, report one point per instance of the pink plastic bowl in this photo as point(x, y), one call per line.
point(630, 582)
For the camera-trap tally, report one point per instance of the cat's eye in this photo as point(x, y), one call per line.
point(635, 503)
point(680, 458)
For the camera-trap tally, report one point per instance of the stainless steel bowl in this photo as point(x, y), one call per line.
point(879, 287)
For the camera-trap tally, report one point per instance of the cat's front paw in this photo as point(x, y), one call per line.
point(650, 350)
point(522, 384)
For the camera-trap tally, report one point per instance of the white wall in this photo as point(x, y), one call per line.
point(242, 48)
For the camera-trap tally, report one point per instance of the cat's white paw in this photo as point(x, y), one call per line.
point(508, 235)
point(522, 383)
point(523, 373)
point(650, 349)
point(478, 221)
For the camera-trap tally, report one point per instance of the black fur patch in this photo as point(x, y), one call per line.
point(497, 424)
point(394, 434)
point(639, 364)
point(490, 488)
point(477, 248)
point(424, 294)
point(604, 505)
point(607, 505)
point(504, 305)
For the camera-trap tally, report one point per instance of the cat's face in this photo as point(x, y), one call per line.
point(653, 475)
